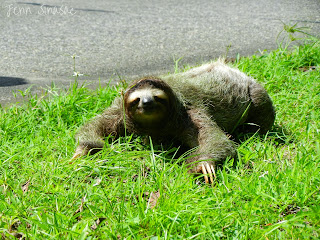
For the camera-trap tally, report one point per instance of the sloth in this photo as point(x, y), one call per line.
point(198, 109)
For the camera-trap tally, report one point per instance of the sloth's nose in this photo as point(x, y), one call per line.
point(147, 102)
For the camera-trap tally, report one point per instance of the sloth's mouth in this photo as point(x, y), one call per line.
point(149, 114)
point(148, 110)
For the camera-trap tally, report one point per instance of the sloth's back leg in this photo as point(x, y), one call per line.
point(261, 111)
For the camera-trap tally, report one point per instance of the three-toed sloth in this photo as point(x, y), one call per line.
point(197, 108)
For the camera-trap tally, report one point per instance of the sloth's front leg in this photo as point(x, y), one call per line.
point(90, 138)
point(211, 143)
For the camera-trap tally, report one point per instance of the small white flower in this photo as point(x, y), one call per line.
point(263, 174)
point(77, 74)
point(97, 182)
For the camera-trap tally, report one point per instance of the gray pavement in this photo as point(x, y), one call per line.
point(126, 38)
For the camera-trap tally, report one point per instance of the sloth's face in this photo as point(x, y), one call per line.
point(147, 106)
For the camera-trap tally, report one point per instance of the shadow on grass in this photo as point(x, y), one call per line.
point(279, 134)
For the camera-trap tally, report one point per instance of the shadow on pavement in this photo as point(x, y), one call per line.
point(11, 81)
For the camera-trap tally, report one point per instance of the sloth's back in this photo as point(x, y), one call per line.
point(224, 92)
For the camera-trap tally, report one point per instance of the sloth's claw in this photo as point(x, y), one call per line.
point(204, 171)
point(207, 169)
point(80, 151)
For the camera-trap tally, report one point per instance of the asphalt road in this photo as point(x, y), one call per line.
point(128, 38)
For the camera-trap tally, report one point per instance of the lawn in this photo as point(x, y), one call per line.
point(131, 190)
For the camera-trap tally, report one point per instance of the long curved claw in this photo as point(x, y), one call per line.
point(208, 169)
point(75, 156)
point(80, 151)
point(204, 171)
point(213, 171)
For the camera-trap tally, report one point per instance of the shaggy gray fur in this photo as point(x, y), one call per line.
point(205, 103)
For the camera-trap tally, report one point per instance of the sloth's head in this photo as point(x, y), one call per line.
point(148, 102)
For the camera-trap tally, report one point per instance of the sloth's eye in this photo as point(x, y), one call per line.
point(160, 100)
point(135, 102)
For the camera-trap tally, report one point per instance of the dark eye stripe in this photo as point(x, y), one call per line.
point(134, 102)
point(161, 100)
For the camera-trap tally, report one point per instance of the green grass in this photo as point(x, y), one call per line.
point(272, 192)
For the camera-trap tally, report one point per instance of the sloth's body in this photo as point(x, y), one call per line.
point(196, 108)
point(225, 93)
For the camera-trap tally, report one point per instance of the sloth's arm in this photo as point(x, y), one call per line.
point(90, 137)
point(211, 143)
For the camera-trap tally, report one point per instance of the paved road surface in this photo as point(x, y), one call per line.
point(133, 38)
